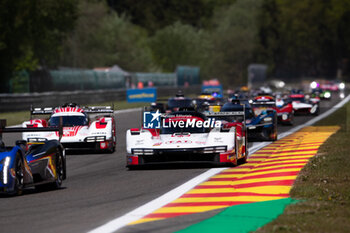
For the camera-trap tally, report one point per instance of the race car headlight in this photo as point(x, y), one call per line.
point(95, 139)
point(220, 149)
point(341, 86)
point(268, 119)
point(313, 85)
point(37, 139)
point(5, 170)
point(313, 109)
point(284, 117)
point(137, 151)
point(142, 151)
point(327, 95)
point(216, 149)
point(148, 152)
point(208, 150)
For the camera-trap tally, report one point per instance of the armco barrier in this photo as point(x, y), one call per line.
point(19, 102)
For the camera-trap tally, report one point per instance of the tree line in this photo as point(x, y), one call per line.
point(308, 38)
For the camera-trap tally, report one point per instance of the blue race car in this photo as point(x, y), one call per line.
point(261, 122)
point(42, 165)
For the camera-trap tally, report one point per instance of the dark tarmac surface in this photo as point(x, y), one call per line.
point(99, 188)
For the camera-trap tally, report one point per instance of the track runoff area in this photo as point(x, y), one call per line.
point(249, 195)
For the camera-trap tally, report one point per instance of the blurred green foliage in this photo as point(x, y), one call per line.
point(295, 38)
point(103, 38)
point(234, 41)
point(32, 34)
point(305, 38)
point(179, 44)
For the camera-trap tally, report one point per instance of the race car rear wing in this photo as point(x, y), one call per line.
point(93, 109)
point(41, 111)
point(263, 104)
point(238, 115)
point(99, 109)
point(4, 129)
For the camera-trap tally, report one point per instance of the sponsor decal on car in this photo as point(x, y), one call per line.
point(179, 142)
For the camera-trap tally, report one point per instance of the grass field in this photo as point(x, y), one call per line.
point(323, 184)
point(14, 118)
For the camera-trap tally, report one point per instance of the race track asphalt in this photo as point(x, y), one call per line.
point(100, 188)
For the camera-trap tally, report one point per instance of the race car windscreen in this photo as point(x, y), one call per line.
point(226, 119)
point(179, 103)
point(202, 101)
point(263, 105)
point(69, 121)
point(298, 99)
point(229, 107)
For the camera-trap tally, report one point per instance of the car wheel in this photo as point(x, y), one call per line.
point(242, 160)
point(59, 166)
point(266, 134)
point(274, 130)
point(59, 169)
point(291, 116)
point(19, 176)
point(111, 149)
point(113, 142)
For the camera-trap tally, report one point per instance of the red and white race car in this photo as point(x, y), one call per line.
point(91, 128)
point(302, 106)
point(193, 142)
point(329, 86)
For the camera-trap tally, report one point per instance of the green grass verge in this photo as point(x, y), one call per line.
point(324, 184)
point(14, 118)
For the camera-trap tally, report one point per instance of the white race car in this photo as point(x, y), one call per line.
point(301, 106)
point(184, 137)
point(91, 128)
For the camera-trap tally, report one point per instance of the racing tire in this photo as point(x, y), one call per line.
point(242, 160)
point(114, 139)
point(111, 150)
point(274, 130)
point(114, 143)
point(59, 169)
point(59, 166)
point(19, 176)
point(236, 152)
point(291, 122)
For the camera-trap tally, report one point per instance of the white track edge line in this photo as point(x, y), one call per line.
point(157, 203)
point(151, 206)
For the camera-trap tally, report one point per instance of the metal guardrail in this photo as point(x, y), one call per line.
point(20, 102)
